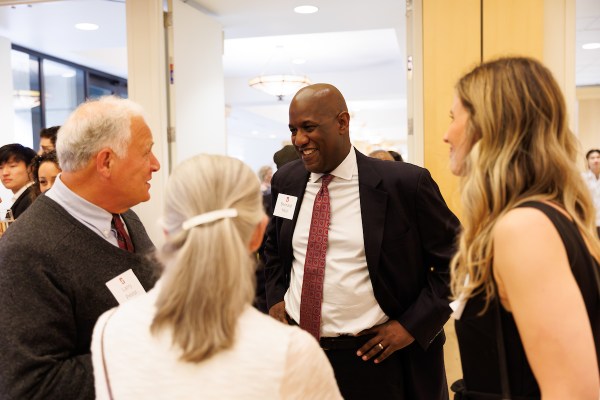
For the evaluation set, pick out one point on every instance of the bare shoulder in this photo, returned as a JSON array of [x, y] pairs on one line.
[[525, 223], [525, 241]]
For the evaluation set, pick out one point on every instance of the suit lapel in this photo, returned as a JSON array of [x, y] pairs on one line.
[[373, 208], [294, 185]]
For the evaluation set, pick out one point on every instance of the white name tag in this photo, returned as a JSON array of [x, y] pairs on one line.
[[125, 286], [285, 206]]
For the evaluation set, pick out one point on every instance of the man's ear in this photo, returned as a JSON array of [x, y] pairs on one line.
[[29, 170], [343, 119], [104, 161]]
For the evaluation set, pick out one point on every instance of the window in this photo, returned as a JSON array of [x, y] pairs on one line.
[[26, 98], [63, 91], [47, 89]]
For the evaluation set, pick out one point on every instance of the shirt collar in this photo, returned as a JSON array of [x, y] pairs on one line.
[[345, 170], [85, 212], [21, 191]]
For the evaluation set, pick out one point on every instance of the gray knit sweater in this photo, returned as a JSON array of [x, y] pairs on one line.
[[53, 272]]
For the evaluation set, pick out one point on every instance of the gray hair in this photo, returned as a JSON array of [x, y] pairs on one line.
[[209, 271], [95, 124]]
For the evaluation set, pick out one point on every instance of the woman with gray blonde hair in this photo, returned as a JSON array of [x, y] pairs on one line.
[[526, 274], [195, 334]]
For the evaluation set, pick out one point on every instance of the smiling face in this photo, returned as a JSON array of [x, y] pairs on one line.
[[132, 173], [15, 174], [320, 128], [456, 137]]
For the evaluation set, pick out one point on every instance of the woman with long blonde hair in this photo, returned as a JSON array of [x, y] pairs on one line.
[[526, 272], [196, 335]]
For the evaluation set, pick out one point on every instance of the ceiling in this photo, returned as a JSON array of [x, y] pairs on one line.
[[357, 45]]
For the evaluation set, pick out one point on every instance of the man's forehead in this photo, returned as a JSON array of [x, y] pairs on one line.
[[11, 160]]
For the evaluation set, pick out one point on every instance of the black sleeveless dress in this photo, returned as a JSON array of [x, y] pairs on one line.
[[477, 336]]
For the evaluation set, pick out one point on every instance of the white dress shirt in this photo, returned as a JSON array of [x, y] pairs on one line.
[[89, 214], [594, 185], [349, 305]]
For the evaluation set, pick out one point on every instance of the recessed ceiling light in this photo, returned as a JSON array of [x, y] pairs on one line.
[[86, 26], [306, 9], [299, 61], [68, 74], [273, 136], [591, 46]]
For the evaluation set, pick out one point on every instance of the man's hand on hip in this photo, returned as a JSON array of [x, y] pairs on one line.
[[389, 337]]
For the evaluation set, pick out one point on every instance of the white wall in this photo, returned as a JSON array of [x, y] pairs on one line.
[[199, 83], [7, 113], [147, 86]]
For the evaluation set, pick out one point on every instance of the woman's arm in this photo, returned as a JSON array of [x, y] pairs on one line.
[[536, 284]]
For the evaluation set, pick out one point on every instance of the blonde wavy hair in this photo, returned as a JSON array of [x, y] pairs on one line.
[[521, 150], [208, 277]]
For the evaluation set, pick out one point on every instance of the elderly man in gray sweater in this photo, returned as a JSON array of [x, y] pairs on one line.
[[77, 251]]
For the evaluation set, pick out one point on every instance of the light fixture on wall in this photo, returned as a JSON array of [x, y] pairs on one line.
[[282, 83]]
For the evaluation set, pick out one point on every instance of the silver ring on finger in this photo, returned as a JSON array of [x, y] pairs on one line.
[[380, 346]]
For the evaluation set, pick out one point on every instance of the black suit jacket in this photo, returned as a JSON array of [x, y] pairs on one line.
[[24, 201], [409, 236]]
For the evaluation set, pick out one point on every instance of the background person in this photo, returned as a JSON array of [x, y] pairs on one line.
[[377, 297], [382, 155], [45, 170], [195, 334], [265, 173], [592, 178], [397, 156], [15, 165], [529, 233], [78, 251], [48, 139]]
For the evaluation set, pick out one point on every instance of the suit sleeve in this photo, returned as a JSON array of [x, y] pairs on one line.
[[437, 227], [275, 276]]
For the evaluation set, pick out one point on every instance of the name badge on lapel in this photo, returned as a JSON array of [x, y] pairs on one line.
[[125, 286], [285, 206]]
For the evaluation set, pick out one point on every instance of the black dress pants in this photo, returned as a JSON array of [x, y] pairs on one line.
[[408, 374]]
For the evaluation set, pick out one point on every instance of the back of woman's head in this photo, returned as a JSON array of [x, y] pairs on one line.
[[521, 149], [208, 276]]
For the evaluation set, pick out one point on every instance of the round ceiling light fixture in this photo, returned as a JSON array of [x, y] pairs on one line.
[[591, 46], [306, 9], [87, 26]]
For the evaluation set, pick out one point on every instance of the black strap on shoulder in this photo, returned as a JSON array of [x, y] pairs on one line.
[[504, 383]]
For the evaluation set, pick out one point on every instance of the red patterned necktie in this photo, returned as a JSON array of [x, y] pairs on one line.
[[122, 237], [314, 264]]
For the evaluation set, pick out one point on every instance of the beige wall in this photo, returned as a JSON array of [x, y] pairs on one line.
[[456, 35], [451, 46]]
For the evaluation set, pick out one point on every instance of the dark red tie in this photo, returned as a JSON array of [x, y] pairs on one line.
[[122, 237], [314, 265]]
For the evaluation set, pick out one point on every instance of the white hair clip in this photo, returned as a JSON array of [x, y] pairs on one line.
[[209, 217]]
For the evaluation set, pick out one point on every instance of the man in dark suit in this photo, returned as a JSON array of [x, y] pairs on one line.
[[382, 293], [15, 166]]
